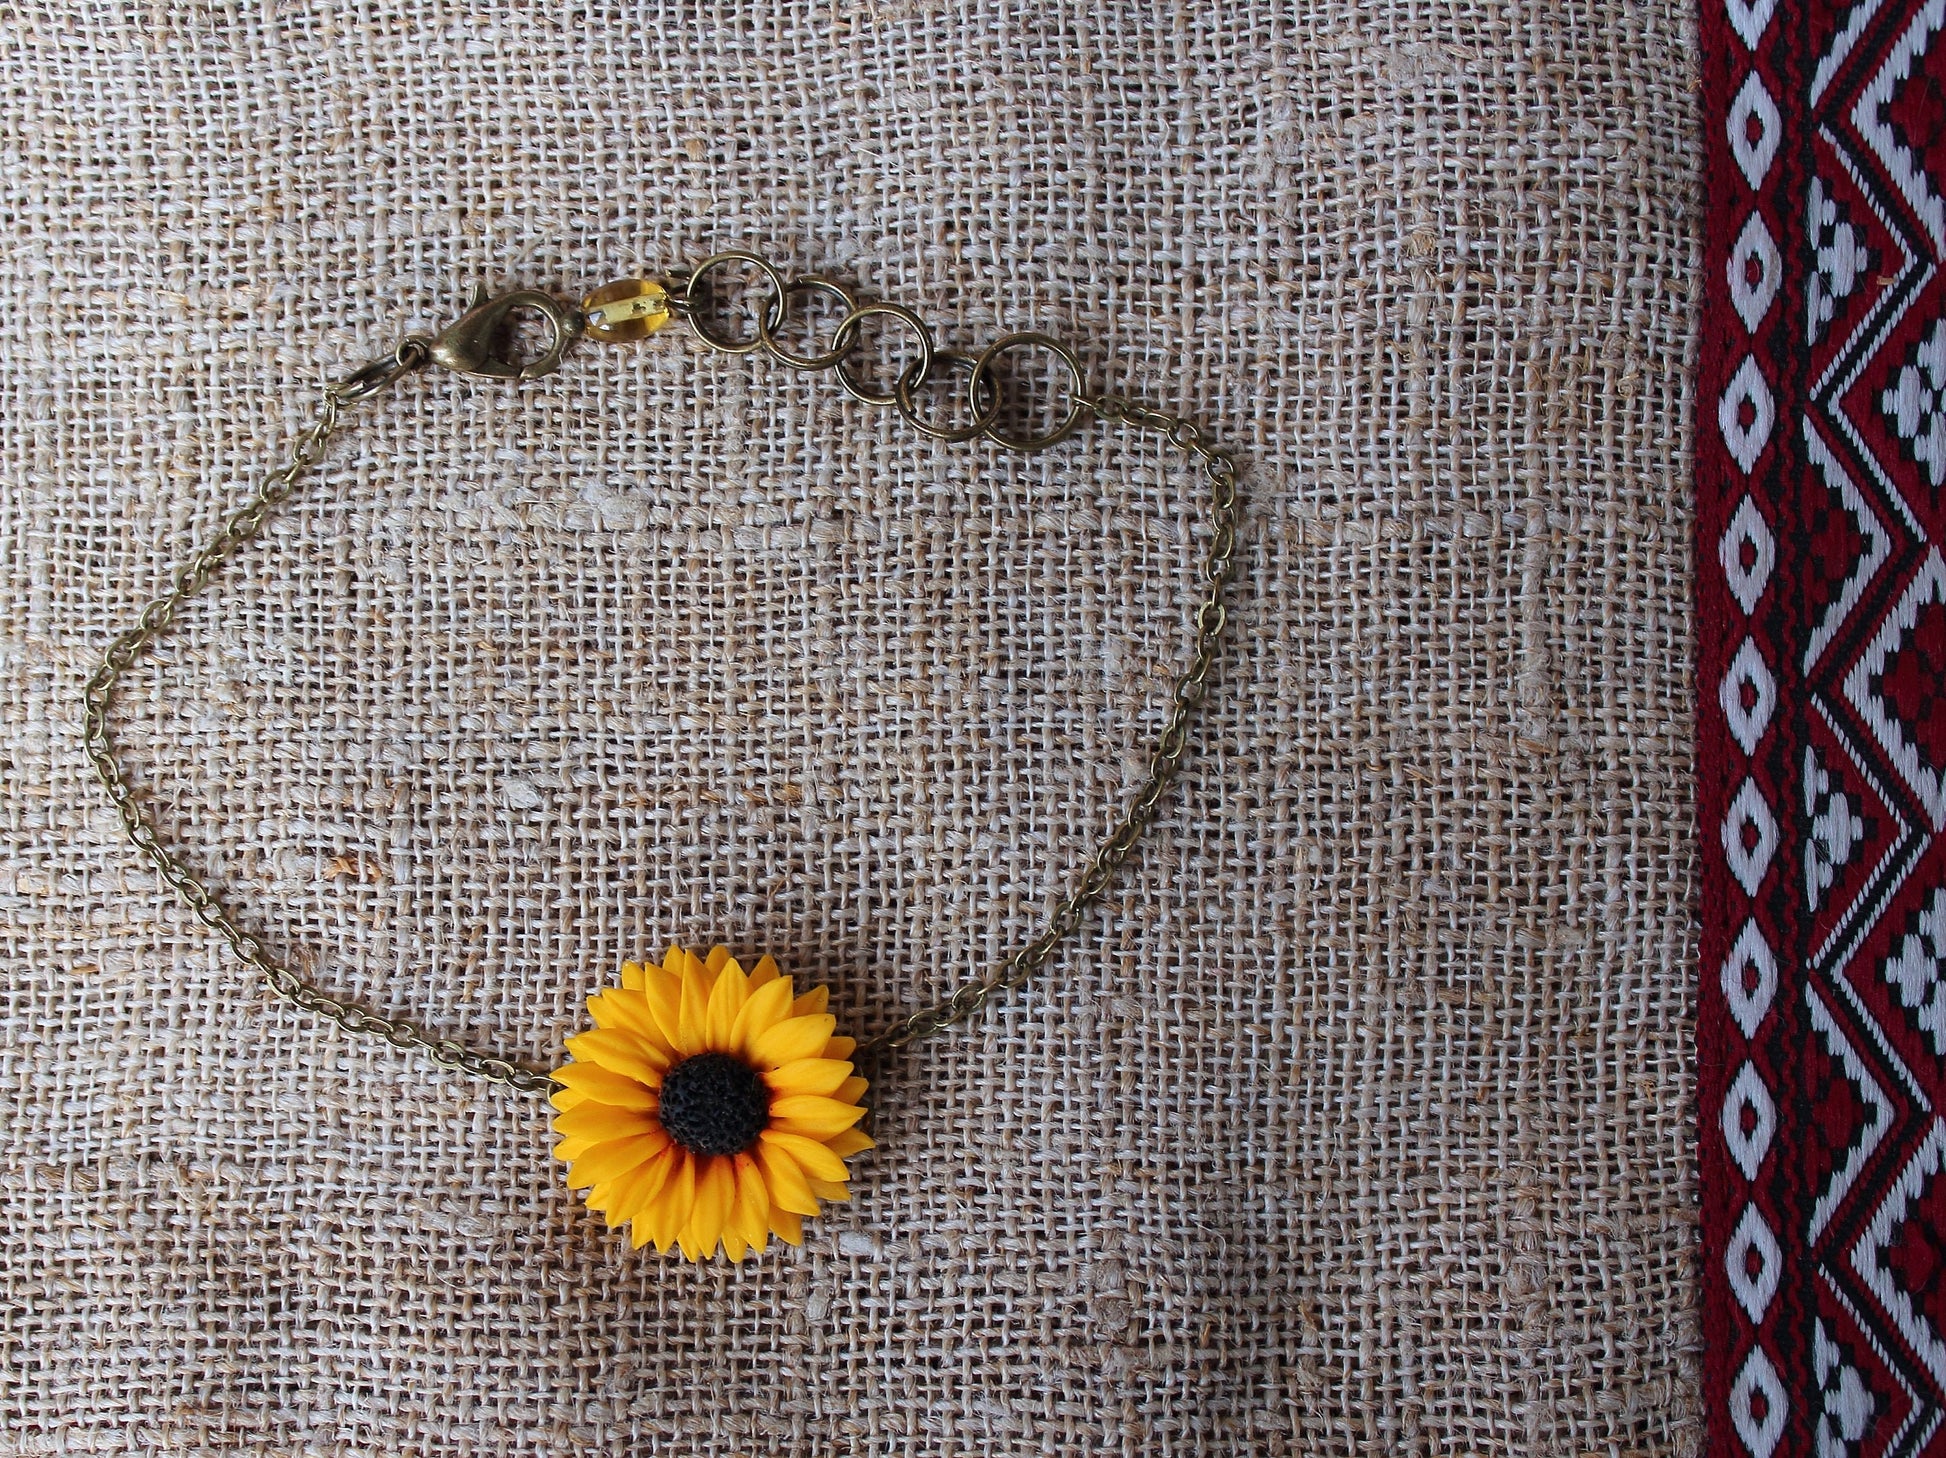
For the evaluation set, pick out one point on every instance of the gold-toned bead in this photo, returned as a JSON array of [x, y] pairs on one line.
[[628, 308]]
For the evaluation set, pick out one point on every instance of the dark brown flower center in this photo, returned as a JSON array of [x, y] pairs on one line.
[[714, 1104]]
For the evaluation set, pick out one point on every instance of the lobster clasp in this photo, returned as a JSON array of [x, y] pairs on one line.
[[475, 343]]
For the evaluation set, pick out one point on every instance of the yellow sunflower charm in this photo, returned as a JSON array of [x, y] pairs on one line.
[[708, 1106]]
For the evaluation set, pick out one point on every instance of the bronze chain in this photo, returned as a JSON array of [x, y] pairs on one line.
[[471, 346]]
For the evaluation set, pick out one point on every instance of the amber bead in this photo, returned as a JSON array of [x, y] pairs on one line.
[[628, 308]]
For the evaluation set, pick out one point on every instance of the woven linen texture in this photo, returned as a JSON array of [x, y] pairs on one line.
[[1355, 1121]]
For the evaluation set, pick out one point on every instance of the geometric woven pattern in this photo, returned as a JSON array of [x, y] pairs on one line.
[[1821, 512]]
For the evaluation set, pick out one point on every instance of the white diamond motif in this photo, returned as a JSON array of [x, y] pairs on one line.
[[1748, 1096], [1754, 128], [1746, 414], [1755, 267], [1749, 17], [1748, 535], [1749, 837], [1757, 1405], [1750, 978], [1747, 696], [1752, 1263]]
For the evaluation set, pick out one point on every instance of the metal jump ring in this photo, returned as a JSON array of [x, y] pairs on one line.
[[774, 304], [848, 327], [983, 367], [766, 323], [412, 351], [984, 418]]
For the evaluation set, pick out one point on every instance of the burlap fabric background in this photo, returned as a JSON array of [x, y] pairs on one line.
[[1355, 1122]]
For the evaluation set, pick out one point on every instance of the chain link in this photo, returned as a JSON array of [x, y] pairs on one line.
[[982, 394], [982, 399], [1165, 758], [99, 694], [1210, 617]]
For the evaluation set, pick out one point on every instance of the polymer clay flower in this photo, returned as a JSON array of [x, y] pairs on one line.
[[708, 1107]]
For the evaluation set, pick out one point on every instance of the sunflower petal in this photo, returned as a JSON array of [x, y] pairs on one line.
[[596, 1122], [788, 1225], [693, 1020], [675, 961], [564, 1099], [830, 1190], [599, 1196], [653, 1175], [840, 1048], [663, 992], [632, 976], [718, 955], [715, 1195], [725, 1002], [788, 1188], [569, 1150], [850, 1141], [764, 972], [808, 1114], [751, 1214], [669, 1211], [808, 1076], [618, 1196], [620, 1008], [610, 1087], [792, 1039], [660, 1171], [851, 1091], [612, 1157], [762, 1010], [813, 1158], [811, 1003], [619, 1052]]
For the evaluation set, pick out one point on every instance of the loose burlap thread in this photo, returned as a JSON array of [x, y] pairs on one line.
[[1354, 1121]]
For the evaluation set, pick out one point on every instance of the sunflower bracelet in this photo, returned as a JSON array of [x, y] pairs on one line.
[[709, 1106]]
